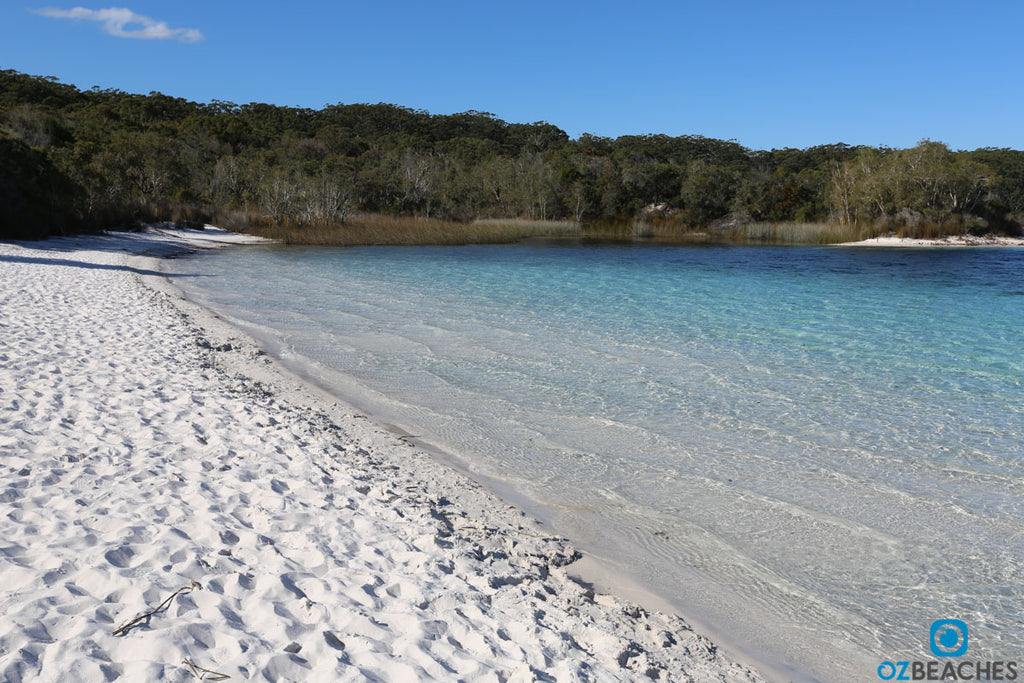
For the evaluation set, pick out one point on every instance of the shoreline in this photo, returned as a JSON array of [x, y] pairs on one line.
[[163, 447], [951, 241], [595, 568], [596, 574]]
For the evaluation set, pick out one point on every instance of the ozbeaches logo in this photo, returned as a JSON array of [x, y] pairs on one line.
[[947, 640]]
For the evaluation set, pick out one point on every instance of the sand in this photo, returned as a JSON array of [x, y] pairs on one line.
[[951, 241], [172, 503]]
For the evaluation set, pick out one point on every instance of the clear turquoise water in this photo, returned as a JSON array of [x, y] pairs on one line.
[[817, 451]]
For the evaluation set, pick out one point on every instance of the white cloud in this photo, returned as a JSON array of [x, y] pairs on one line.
[[124, 23]]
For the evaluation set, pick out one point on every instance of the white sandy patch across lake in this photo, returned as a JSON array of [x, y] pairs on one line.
[[143, 457], [950, 241]]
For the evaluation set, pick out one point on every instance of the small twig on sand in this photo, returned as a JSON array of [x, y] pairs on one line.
[[122, 629], [206, 674]]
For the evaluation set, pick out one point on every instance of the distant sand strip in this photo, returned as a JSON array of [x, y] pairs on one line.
[[162, 480], [951, 241]]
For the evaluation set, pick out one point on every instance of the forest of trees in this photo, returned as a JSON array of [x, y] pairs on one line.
[[74, 160]]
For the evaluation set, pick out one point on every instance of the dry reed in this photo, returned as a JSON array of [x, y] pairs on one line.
[[124, 628], [381, 229], [376, 229]]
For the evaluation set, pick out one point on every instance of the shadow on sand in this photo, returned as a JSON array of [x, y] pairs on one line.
[[137, 243], [86, 264]]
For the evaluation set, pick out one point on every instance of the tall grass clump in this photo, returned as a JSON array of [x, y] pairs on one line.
[[800, 233], [671, 230], [379, 229], [512, 229], [372, 229]]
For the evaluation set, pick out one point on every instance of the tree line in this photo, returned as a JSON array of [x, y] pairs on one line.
[[76, 160]]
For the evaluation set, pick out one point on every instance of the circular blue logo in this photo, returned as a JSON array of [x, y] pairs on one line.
[[948, 638]]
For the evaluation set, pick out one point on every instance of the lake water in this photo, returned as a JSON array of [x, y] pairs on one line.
[[816, 451]]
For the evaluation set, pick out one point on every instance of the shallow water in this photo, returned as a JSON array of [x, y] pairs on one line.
[[817, 451]]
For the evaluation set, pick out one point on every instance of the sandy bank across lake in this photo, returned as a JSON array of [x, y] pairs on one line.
[[951, 241], [171, 501]]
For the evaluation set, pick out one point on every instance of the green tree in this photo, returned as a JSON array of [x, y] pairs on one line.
[[29, 184]]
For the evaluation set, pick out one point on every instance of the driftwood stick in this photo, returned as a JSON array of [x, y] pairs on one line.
[[123, 628], [207, 674]]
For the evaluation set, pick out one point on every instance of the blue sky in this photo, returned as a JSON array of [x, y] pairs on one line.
[[767, 74]]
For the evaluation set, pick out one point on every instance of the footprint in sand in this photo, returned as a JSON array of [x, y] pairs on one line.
[[203, 635], [120, 557]]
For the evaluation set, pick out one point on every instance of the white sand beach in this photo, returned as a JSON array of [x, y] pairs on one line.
[[951, 241], [173, 504]]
